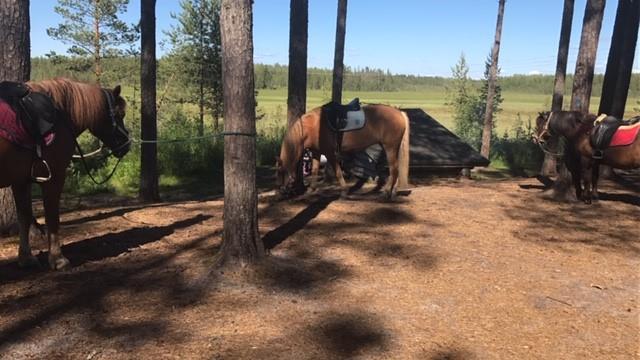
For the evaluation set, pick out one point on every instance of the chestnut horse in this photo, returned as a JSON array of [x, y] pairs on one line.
[[576, 128], [78, 107], [385, 125]]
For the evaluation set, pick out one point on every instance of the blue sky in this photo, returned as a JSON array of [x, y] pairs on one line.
[[423, 37]]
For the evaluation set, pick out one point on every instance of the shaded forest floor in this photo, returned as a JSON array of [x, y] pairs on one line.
[[458, 269]]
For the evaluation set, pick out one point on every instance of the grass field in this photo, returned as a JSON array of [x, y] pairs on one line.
[[273, 104]]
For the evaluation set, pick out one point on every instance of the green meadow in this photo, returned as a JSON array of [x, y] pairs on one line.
[[273, 104]]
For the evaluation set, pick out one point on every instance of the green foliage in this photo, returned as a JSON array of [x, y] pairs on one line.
[[469, 103], [516, 150], [195, 61], [93, 31]]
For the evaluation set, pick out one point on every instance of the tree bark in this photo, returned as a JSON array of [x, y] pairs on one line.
[[491, 91], [297, 89], [617, 78], [583, 75], [298, 30], [201, 90], [582, 84], [149, 191], [97, 57], [15, 65], [338, 60], [241, 243], [550, 162]]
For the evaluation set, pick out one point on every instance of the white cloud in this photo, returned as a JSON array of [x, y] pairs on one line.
[[534, 72]]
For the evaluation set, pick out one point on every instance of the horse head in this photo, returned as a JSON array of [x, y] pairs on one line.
[[542, 132], [285, 178], [111, 129]]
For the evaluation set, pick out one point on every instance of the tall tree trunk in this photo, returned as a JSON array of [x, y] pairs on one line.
[[582, 84], [583, 75], [338, 60], [550, 162], [617, 77], [298, 30], [620, 62], [97, 57], [15, 65], [201, 60], [297, 89], [149, 154], [491, 91], [241, 243]]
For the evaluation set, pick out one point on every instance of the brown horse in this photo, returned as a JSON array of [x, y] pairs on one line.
[[576, 128], [385, 125], [79, 107]]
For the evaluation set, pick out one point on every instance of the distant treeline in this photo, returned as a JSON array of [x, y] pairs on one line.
[[125, 70]]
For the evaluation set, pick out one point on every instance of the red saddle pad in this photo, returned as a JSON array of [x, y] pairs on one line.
[[625, 135], [10, 128]]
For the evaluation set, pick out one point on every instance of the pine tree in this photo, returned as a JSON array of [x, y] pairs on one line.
[[196, 56], [241, 242], [469, 105], [15, 66], [93, 29]]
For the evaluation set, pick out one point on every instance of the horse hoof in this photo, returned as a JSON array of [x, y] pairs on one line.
[[28, 262], [60, 263]]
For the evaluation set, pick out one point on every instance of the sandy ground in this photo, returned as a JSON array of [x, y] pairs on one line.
[[456, 270]]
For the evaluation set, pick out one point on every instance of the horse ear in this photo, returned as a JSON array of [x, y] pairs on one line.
[[116, 91]]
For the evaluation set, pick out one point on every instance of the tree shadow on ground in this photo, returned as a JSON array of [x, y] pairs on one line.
[[560, 224], [100, 247], [275, 237], [620, 197], [93, 300], [449, 354], [346, 335]]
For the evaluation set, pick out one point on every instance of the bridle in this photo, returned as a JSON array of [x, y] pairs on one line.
[[538, 138], [115, 128]]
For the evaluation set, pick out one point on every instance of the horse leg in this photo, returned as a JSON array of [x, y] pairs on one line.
[[392, 160], [333, 160], [587, 165], [315, 167], [51, 198], [595, 175], [22, 198]]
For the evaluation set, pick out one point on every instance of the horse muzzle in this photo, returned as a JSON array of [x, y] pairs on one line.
[[121, 149]]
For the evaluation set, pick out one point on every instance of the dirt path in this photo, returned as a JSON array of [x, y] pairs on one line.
[[456, 270]]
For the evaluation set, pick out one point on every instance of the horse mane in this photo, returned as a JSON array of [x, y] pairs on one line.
[[583, 122], [83, 103], [291, 142]]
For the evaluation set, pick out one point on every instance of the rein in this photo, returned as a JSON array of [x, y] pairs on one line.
[[86, 167], [82, 156]]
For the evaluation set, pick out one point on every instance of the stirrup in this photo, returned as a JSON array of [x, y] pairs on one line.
[[41, 179]]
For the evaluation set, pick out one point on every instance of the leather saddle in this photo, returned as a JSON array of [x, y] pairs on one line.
[[605, 129], [36, 110], [341, 118]]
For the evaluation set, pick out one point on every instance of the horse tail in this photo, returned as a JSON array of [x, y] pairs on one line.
[[403, 155]]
